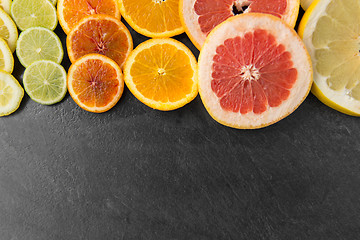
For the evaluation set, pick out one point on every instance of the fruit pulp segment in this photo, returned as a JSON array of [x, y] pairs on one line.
[[337, 41], [74, 11], [95, 83], [213, 12], [6, 92], [252, 73], [103, 37], [162, 73], [154, 15]]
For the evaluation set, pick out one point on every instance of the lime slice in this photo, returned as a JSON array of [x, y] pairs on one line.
[[11, 94], [38, 43], [6, 57], [5, 4], [8, 30], [45, 82], [30, 13]]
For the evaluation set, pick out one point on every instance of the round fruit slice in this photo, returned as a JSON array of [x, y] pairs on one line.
[[45, 82], [162, 74], [11, 94], [38, 43], [331, 32], [8, 30], [153, 18], [253, 71], [6, 57], [305, 4], [30, 13], [70, 12], [5, 4], [100, 34], [95, 82], [199, 17]]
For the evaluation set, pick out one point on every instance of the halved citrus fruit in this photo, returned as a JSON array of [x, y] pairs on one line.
[[95, 83], [331, 32], [162, 74], [153, 18], [254, 70], [100, 34], [199, 17], [70, 12]]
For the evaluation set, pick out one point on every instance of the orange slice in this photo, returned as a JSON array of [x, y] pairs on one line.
[[153, 18], [95, 83], [161, 73], [70, 12], [100, 34], [199, 17], [253, 71]]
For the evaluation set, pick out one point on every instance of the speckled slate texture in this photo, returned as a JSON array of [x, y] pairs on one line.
[[134, 173]]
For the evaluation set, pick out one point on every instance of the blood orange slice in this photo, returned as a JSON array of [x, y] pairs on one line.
[[199, 17], [253, 71], [95, 83], [70, 12], [100, 34]]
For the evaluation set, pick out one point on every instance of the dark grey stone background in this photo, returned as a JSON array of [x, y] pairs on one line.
[[136, 173]]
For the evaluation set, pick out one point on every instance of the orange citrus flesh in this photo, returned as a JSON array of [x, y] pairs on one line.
[[70, 12], [162, 74], [153, 18], [100, 34], [95, 82]]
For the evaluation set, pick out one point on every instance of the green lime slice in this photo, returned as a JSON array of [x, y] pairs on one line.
[[38, 43], [30, 13], [8, 30], [11, 94], [45, 82]]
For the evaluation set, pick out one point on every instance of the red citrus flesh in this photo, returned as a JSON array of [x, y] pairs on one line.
[[213, 12], [252, 73]]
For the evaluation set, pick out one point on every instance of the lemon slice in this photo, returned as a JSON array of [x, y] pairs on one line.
[[5, 4], [45, 82], [38, 43], [8, 30], [331, 32], [30, 13], [6, 57], [11, 94], [53, 2]]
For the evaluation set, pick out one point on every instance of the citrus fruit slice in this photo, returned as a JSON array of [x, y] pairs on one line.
[[30, 13], [153, 18], [95, 83], [5, 4], [45, 82], [199, 17], [6, 57], [162, 74], [70, 12], [100, 34], [11, 94], [331, 32], [8, 30], [254, 70], [305, 4], [38, 43]]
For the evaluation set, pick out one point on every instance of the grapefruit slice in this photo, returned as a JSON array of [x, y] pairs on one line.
[[199, 17], [100, 34], [70, 12], [95, 83], [253, 71]]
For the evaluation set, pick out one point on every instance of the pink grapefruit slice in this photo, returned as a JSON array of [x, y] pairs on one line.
[[199, 17], [254, 70]]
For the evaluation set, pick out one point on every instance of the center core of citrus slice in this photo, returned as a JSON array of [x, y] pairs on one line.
[[252, 73]]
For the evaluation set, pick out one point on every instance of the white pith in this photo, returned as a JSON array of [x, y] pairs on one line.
[[238, 26]]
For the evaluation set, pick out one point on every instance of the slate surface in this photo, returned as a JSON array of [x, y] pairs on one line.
[[136, 173]]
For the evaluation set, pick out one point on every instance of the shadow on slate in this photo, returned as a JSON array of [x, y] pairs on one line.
[[134, 173]]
